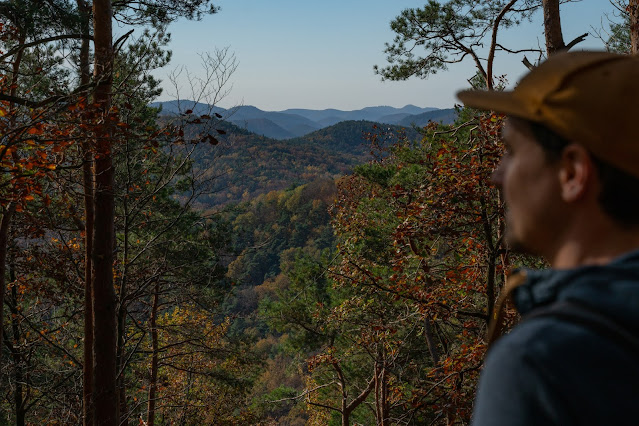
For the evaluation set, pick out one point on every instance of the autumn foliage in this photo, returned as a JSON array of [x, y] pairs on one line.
[[241, 280], [419, 234]]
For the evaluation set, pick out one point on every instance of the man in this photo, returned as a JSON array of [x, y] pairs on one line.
[[570, 182]]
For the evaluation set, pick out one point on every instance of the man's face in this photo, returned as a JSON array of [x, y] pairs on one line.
[[530, 188]]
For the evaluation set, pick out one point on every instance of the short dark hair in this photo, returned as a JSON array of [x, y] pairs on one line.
[[619, 196]]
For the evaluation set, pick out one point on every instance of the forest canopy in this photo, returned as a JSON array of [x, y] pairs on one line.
[[184, 271]]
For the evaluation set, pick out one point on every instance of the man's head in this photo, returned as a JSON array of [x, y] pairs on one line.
[[619, 190], [588, 98], [572, 151]]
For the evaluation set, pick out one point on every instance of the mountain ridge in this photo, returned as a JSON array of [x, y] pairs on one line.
[[298, 122]]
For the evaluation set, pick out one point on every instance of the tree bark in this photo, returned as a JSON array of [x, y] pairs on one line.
[[87, 176], [552, 27], [430, 341], [8, 210], [18, 376], [633, 9], [381, 394], [105, 395], [493, 45], [154, 357], [120, 358], [7, 214]]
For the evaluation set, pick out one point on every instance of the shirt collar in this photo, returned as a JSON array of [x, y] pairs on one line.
[[543, 286]]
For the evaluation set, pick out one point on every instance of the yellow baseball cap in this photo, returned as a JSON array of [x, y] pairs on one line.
[[590, 98]]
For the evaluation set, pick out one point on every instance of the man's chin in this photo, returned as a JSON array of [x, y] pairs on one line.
[[516, 245]]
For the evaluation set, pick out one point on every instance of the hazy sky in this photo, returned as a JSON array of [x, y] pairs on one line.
[[303, 54]]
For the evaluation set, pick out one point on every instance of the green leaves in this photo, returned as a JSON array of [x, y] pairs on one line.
[[446, 33]]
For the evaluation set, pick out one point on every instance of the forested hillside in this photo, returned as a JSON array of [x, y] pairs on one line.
[[163, 270], [243, 165]]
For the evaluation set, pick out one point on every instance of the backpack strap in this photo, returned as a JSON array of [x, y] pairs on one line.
[[591, 319]]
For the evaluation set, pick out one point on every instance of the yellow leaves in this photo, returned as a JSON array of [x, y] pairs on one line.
[[3, 112]]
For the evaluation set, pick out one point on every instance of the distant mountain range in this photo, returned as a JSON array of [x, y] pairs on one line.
[[293, 123]]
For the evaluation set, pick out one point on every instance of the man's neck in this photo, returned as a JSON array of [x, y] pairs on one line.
[[594, 246]]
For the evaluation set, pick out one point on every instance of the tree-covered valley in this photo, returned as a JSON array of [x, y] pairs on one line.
[[160, 269]]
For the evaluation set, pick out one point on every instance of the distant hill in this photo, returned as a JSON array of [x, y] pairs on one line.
[[292, 123], [394, 118], [443, 116], [264, 127], [349, 136], [244, 165]]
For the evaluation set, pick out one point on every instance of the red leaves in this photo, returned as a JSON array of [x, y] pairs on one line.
[[425, 236]]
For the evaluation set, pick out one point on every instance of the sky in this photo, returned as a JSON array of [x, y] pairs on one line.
[[319, 55]]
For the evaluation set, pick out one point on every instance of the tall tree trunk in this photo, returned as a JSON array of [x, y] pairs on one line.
[[7, 214], [346, 407], [105, 395], [381, 393], [430, 341], [9, 209], [552, 27], [18, 376], [87, 177], [378, 394], [346, 415], [122, 311], [633, 9], [154, 357], [384, 421]]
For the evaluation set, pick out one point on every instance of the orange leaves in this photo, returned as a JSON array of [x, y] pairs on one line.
[[421, 226]]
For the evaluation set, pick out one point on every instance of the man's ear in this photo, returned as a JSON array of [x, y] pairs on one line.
[[576, 174]]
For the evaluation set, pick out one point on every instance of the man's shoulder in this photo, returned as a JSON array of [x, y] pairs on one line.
[[543, 335], [567, 325], [538, 372], [520, 381]]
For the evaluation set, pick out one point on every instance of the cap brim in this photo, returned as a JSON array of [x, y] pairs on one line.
[[497, 101]]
